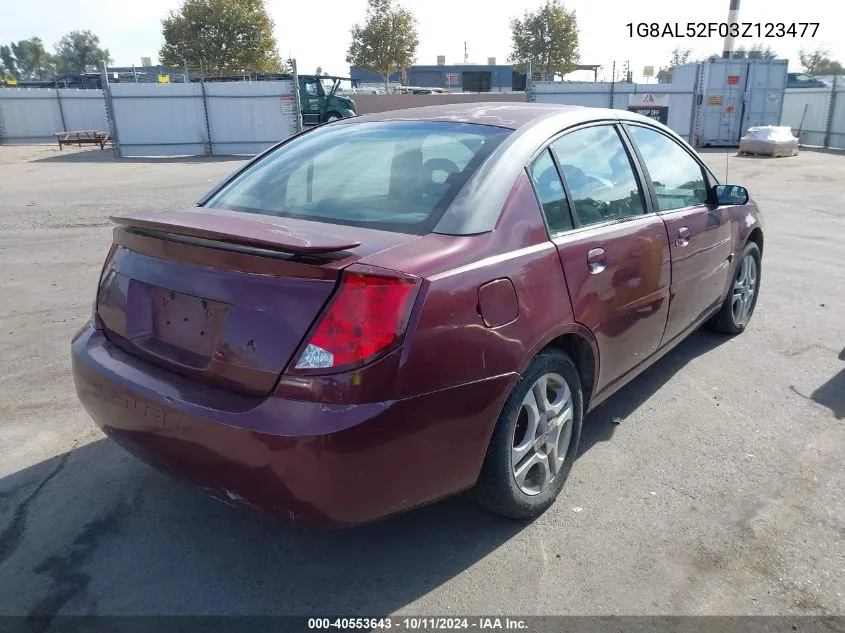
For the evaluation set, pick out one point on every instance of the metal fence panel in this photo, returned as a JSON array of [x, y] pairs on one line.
[[583, 94], [32, 115], [159, 119], [28, 115], [619, 96], [806, 109], [83, 109], [248, 117], [836, 121]]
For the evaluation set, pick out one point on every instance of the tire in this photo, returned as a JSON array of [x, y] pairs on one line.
[[497, 488], [332, 116], [738, 307]]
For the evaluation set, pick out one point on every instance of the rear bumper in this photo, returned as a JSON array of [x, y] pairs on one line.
[[307, 462]]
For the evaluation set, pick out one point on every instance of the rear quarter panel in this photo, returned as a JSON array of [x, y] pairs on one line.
[[448, 342]]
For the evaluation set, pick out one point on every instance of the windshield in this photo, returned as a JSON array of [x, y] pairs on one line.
[[388, 175], [327, 85]]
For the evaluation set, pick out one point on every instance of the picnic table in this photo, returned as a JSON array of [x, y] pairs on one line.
[[88, 137]]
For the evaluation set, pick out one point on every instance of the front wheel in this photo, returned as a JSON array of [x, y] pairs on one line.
[[332, 116], [535, 440], [739, 305]]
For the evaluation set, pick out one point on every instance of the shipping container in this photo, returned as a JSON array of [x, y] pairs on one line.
[[734, 95]]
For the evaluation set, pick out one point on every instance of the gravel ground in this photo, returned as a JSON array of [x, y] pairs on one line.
[[721, 492]]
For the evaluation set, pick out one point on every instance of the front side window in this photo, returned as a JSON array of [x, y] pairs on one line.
[[677, 177], [388, 175], [599, 174]]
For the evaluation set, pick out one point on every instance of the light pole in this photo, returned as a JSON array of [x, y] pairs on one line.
[[733, 14]]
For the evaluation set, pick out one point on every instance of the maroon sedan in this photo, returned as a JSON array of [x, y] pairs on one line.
[[394, 308]]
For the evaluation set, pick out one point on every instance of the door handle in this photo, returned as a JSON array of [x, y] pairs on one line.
[[596, 260], [683, 236]]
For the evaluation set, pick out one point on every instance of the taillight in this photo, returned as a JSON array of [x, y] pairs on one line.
[[367, 318], [103, 269]]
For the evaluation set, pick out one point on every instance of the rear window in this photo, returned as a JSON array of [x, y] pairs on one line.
[[390, 175]]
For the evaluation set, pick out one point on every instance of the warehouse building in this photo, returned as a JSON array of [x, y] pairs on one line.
[[490, 77]]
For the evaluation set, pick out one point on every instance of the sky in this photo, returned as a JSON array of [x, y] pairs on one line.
[[132, 29]]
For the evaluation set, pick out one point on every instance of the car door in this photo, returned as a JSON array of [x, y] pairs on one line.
[[614, 251], [309, 98], [699, 232]]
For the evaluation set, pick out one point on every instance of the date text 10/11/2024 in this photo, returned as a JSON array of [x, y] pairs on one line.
[[722, 29]]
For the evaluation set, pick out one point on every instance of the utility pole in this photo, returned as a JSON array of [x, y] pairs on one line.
[[733, 14], [466, 54]]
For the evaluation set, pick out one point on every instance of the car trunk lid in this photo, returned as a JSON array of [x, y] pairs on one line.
[[221, 296]]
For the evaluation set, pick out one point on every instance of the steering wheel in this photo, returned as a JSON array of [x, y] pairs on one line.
[[441, 164], [579, 180], [548, 179]]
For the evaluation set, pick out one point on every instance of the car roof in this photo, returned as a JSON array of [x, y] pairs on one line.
[[512, 115], [507, 114]]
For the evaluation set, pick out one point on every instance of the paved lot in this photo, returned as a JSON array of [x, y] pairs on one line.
[[721, 492]]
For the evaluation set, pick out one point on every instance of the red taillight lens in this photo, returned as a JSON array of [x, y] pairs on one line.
[[368, 316], [103, 270]]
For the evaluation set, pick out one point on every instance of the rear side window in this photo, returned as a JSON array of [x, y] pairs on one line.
[[389, 175], [550, 191], [599, 174], [677, 177]]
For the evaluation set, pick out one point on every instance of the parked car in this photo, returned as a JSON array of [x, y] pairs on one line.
[[803, 80], [394, 308]]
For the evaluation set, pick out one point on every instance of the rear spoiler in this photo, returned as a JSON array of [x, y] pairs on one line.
[[237, 228]]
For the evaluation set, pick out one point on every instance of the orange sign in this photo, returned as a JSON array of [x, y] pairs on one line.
[[733, 80]]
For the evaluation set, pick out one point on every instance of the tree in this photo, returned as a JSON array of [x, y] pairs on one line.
[[548, 38], [758, 51], [79, 49], [27, 59], [680, 56], [222, 37], [8, 64], [386, 42], [819, 62]]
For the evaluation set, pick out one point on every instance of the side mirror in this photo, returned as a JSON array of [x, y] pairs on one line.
[[730, 194]]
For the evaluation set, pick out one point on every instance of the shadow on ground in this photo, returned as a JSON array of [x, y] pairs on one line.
[[832, 393], [75, 155], [599, 425], [94, 531]]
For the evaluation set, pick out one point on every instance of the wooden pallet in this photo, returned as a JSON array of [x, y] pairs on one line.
[[772, 154], [759, 155]]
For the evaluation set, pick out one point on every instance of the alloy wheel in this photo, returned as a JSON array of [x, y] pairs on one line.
[[744, 288], [542, 434]]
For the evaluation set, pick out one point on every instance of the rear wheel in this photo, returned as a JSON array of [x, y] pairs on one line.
[[739, 305], [535, 440]]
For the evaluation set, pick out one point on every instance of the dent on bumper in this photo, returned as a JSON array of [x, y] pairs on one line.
[[305, 461]]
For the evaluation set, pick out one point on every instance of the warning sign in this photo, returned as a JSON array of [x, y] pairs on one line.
[[649, 99], [654, 106], [714, 100], [733, 80]]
